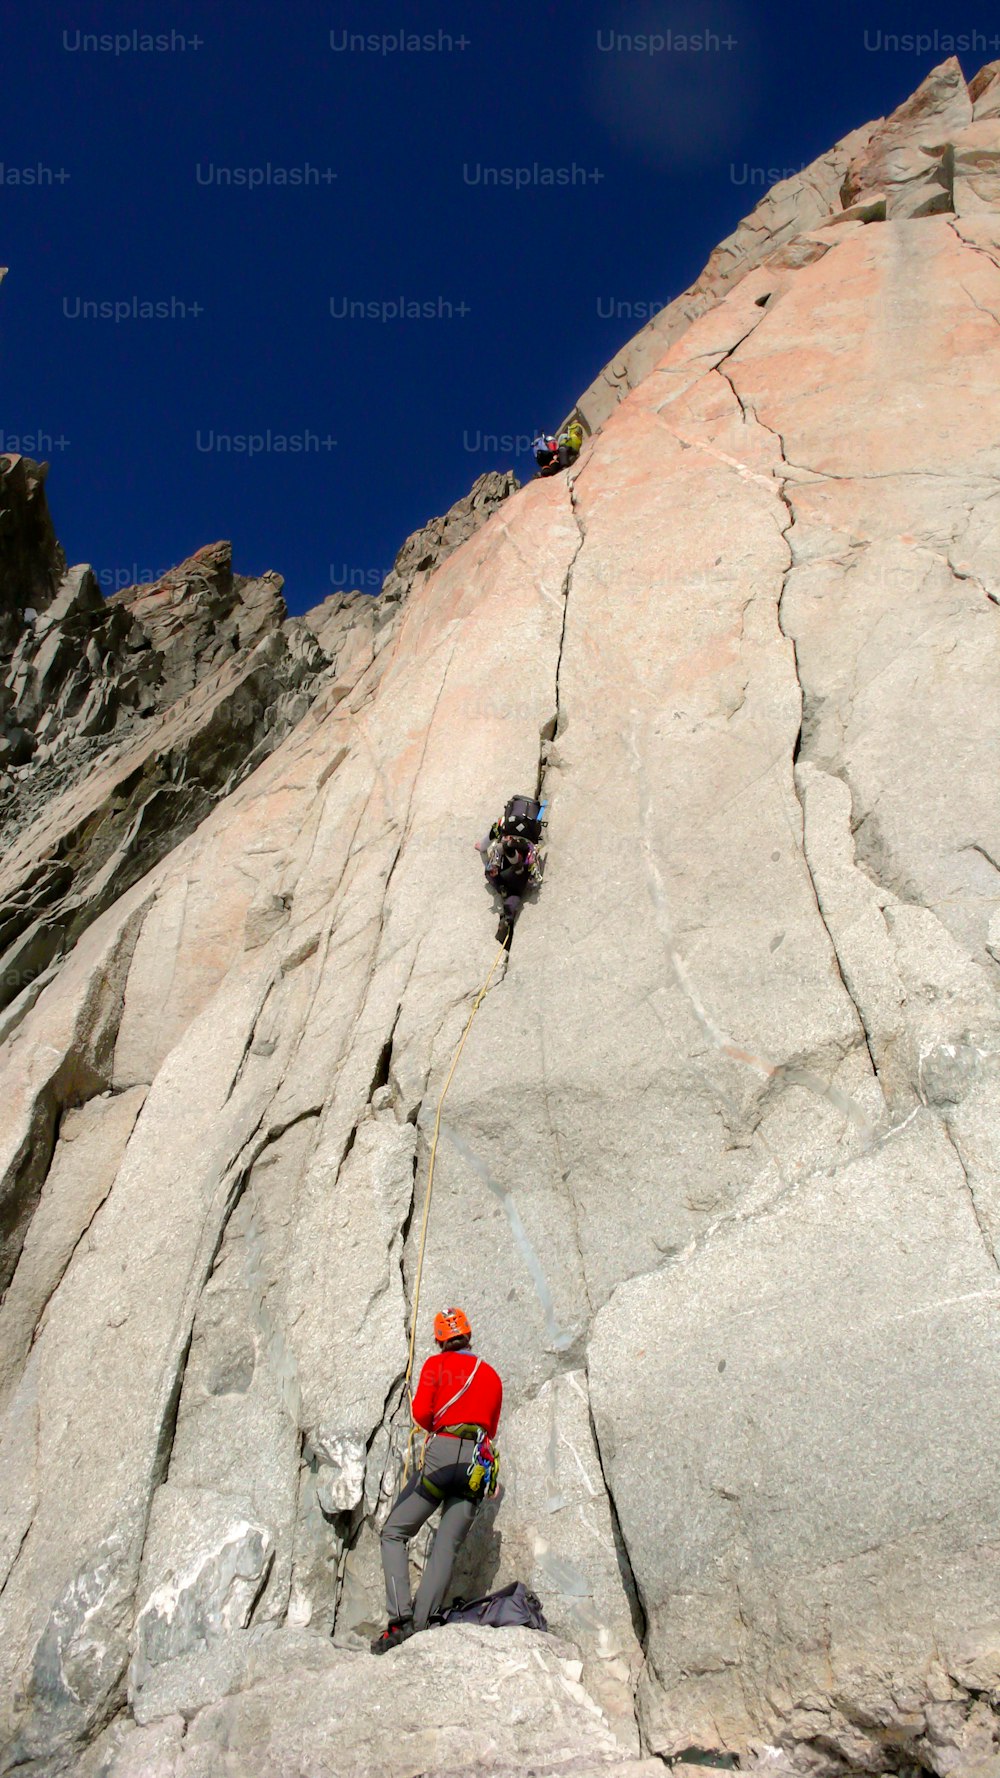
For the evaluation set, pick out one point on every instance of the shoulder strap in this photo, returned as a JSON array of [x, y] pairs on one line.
[[438, 1412]]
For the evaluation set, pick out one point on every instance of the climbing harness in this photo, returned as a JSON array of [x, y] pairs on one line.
[[481, 1475], [476, 1004]]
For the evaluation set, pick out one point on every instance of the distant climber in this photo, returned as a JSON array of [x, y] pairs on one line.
[[570, 443], [511, 859], [458, 1403], [555, 453], [546, 449]]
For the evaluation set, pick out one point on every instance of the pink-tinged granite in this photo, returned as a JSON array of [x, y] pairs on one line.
[[976, 175], [984, 91], [917, 162], [776, 226], [809, 1508], [907, 156]]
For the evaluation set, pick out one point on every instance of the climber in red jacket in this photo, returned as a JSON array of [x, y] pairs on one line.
[[458, 1403]]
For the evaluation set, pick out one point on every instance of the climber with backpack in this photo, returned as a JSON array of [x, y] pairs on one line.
[[458, 1403], [511, 858], [555, 453], [546, 452], [569, 444]]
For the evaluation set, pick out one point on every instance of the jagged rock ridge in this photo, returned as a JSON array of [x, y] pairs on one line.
[[717, 1177], [425, 549]]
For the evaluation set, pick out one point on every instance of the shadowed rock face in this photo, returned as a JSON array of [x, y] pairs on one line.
[[31, 562], [717, 1177], [126, 719], [78, 668]]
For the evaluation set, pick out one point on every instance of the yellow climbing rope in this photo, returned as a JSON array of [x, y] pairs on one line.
[[476, 1004]]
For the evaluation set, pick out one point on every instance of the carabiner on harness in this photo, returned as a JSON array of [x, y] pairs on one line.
[[484, 1469]]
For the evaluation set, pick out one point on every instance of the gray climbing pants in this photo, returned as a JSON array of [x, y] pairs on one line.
[[445, 1462]]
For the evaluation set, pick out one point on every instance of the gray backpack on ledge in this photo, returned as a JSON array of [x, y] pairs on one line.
[[511, 1605]]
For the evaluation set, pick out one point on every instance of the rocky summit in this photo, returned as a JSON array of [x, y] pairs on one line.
[[716, 1177]]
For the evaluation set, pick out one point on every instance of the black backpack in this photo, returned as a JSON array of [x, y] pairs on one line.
[[511, 1605], [523, 818]]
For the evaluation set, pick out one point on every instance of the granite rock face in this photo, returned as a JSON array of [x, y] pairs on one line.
[[514, 1704], [905, 167], [936, 154], [716, 1178], [425, 549]]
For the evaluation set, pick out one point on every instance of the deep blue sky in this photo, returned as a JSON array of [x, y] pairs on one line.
[[134, 408]]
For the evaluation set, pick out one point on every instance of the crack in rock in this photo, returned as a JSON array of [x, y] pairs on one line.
[[981, 1224]]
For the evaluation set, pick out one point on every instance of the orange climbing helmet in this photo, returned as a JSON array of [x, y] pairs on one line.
[[451, 1324]]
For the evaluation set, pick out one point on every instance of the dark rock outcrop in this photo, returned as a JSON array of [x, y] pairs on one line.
[[200, 614], [31, 561], [78, 671], [425, 549]]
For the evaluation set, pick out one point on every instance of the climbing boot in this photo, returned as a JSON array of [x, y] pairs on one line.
[[392, 1636]]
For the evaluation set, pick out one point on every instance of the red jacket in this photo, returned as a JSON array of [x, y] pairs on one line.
[[442, 1377]]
